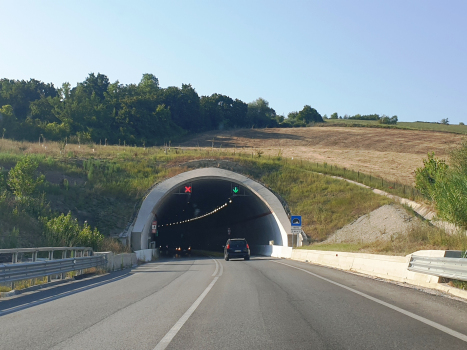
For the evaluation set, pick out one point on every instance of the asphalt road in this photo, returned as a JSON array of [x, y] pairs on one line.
[[203, 303]]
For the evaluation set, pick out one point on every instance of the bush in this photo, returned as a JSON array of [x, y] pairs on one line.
[[65, 231], [21, 178], [446, 186]]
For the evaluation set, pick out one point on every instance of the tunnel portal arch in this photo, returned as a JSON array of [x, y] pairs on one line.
[[276, 222]]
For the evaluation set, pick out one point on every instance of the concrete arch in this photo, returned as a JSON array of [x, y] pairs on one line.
[[278, 222]]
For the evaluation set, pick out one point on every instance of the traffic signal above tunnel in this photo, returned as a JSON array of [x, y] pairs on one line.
[[185, 189], [236, 190]]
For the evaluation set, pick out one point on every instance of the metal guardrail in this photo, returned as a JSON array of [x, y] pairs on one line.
[[75, 251], [24, 271], [453, 268]]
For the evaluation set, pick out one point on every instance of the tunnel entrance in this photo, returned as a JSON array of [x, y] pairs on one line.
[[201, 213], [198, 208]]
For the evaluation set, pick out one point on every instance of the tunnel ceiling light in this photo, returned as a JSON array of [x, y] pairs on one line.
[[199, 217]]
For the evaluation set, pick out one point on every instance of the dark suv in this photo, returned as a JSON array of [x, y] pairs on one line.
[[236, 248]]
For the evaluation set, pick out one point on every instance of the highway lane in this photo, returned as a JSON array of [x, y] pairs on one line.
[[202, 303]]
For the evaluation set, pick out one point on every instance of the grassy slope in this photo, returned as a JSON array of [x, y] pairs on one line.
[[102, 187], [458, 129]]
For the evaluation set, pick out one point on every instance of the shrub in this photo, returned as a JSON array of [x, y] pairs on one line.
[[21, 178], [446, 186], [64, 230]]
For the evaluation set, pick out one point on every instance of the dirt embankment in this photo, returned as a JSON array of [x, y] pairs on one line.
[[393, 154], [381, 225]]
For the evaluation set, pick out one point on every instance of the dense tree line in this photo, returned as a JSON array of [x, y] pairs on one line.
[[383, 119], [100, 111]]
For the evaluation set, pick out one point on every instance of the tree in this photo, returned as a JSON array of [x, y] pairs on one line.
[[149, 85], [95, 84], [309, 115], [445, 121], [22, 179], [184, 105], [260, 114], [386, 120], [334, 116]]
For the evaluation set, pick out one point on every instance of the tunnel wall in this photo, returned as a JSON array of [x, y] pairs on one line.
[[278, 223]]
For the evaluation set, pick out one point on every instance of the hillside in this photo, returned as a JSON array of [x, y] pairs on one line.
[[392, 154]]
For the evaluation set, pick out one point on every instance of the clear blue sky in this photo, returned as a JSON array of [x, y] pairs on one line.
[[404, 58]]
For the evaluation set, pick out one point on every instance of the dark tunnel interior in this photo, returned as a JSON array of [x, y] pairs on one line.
[[202, 212]]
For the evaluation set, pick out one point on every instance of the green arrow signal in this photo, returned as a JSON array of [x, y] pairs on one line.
[[235, 189]]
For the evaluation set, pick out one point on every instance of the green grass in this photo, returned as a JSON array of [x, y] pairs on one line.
[[458, 129], [335, 247], [459, 284], [421, 237], [4, 289], [105, 186], [325, 204]]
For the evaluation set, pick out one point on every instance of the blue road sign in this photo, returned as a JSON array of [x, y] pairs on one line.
[[296, 220]]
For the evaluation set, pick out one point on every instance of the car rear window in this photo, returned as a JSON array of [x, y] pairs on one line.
[[237, 244]]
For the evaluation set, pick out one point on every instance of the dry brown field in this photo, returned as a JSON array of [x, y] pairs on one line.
[[392, 154]]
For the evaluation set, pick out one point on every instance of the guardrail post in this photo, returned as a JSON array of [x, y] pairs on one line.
[[80, 254], [51, 257], [14, 258], [63, 257]]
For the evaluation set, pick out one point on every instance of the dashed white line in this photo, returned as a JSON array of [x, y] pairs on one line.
[[174, 330]]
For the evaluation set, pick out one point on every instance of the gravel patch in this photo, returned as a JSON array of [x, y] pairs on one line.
[[380, 225]]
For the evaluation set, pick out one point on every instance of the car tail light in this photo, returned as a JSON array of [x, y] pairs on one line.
[[247, 246], [228, 246]]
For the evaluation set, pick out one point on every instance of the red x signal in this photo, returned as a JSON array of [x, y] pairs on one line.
[[187, 189]]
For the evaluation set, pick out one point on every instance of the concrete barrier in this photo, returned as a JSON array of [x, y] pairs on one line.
[[392, 268], [119, 261], [276, 251], [147, 254]]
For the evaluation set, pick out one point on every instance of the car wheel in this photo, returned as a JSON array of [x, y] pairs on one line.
[[247, 258]]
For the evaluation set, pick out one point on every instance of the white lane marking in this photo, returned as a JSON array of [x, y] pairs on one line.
[[222, 269], [177, 326], [217, 267], [393, 307]]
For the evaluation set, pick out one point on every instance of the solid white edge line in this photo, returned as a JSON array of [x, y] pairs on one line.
[[393, 307], [222, 269], [177, 326], [217, 267]]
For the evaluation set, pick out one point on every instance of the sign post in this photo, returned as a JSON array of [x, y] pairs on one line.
[[296, 225]]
